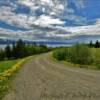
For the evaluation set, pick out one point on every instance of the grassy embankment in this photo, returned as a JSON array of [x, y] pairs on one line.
[[7, 70], [78, 56]]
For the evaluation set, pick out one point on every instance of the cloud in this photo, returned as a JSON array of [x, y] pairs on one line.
[[40, 10], [29, 3], [47, 20], [59, 33], [10, 34], [97, 21], [48, 2], [20, 20], [27, 20], [85, 30], [44, 21]]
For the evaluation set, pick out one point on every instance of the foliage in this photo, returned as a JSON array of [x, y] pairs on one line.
[[60, 54], [91, 44], [96, 57], [2, 55], [80, 54], [21, 50], [8, 51], [95, 45], [4, 86]]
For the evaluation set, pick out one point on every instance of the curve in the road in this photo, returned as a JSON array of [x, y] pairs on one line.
[[44, 79]]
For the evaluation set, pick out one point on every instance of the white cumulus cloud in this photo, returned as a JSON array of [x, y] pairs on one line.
[[44, 20]]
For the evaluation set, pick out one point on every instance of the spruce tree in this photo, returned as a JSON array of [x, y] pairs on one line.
[[97, 44], [8, 53], [91, 44], [14, 51], [20, 49], [2, 55]]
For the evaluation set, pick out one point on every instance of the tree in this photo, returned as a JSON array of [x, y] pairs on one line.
[[8, 53], [20, 49], [2, 55], [14, 51], [91, 44], [97, 44]]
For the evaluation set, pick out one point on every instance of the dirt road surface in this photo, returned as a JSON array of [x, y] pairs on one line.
[[44, 79]]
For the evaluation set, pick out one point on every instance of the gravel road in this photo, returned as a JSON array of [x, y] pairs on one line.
[[44, 79]]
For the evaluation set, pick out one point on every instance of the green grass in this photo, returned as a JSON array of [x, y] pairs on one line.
[[4, 65], [5, 83]]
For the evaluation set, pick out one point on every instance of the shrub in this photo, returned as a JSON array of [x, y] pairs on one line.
[[96, 55], [81, 54], [60, 54]]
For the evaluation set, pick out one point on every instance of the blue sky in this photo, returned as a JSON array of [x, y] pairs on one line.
[[49, 19]]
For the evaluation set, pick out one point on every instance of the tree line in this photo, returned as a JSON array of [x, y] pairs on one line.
[[95, 45], [20, 49]]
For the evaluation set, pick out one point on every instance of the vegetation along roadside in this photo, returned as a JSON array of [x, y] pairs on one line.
[[6, 75], [80, 55]]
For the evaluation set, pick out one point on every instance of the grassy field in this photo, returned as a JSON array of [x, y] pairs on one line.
[[4, 65]]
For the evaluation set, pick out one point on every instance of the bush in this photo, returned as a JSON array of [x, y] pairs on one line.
[[81, 54], [96, 55], [60, 54]]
